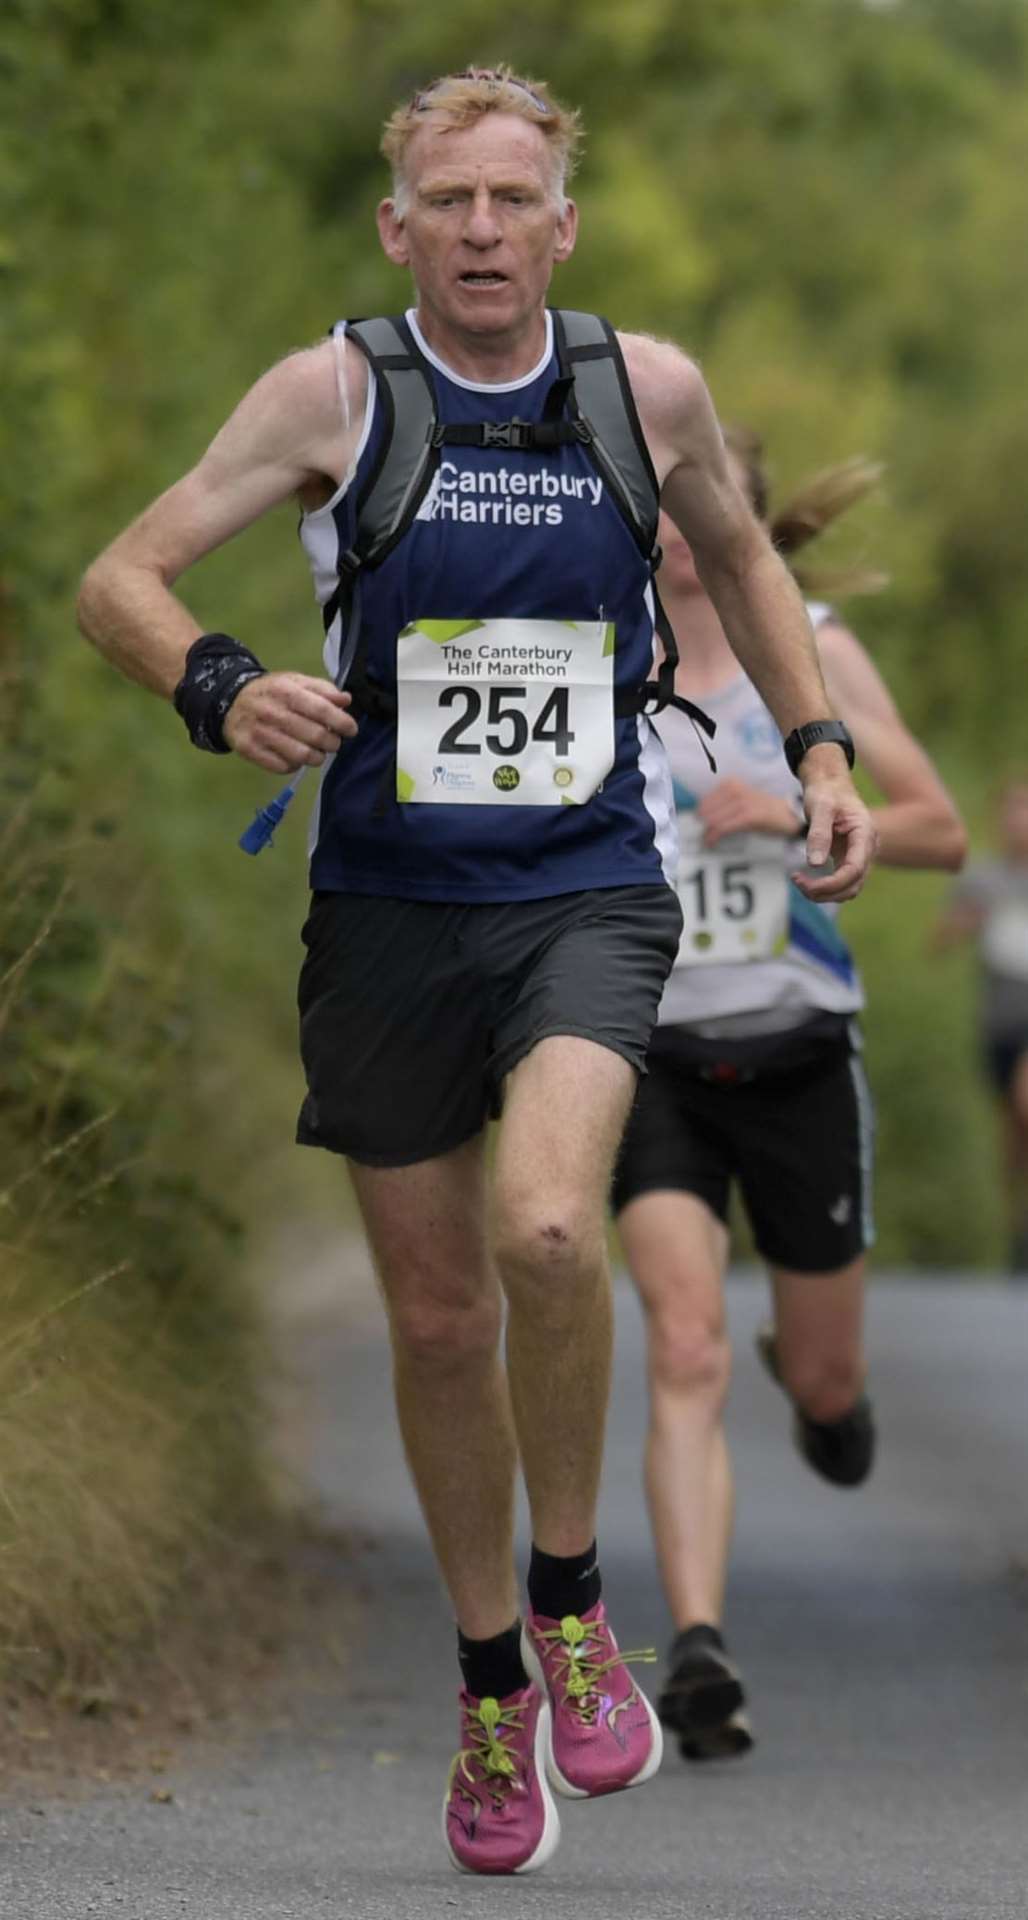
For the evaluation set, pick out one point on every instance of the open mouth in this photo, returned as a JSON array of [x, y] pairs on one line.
[[485, 278]]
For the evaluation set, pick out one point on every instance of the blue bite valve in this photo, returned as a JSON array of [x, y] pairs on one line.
[[262, 827]]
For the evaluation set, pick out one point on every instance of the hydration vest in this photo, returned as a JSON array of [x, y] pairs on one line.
[[590, 403]]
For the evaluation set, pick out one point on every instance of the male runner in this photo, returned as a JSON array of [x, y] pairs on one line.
[[470, 939]]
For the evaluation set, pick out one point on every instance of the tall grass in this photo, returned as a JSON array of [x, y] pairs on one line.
[[128, 1424]]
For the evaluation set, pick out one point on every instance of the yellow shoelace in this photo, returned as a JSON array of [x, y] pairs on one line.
[[579, 1673], [494, 1757]]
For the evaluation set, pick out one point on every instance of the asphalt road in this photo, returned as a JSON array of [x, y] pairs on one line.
[[884, 1634]]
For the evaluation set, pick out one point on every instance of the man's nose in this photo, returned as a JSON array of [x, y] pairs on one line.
[[482, 229]]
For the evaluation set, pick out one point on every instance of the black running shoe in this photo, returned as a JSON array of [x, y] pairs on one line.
[[841, 1451], [703, 1700]]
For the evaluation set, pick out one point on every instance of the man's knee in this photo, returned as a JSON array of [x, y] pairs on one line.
[[546, 1243], [445, 1329]]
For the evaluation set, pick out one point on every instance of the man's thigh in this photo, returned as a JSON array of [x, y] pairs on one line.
[[426, 1226], [564, 1113], [572, 1038]]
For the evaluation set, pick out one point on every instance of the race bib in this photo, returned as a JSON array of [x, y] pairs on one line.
[[504, 712], [1005, 939], [735, 896]]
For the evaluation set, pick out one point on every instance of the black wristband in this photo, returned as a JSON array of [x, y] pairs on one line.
[[217, 669]]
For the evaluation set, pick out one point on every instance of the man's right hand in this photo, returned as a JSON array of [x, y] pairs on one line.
[[283, 721]]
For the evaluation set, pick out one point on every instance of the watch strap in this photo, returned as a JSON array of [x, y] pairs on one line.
[[818, 733]]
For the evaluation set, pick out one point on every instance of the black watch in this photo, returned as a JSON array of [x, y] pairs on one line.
[[818, 733]]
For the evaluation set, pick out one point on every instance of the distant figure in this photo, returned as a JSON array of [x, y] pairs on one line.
[[990, 903]]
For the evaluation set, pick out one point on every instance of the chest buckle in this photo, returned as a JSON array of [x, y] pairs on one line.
[[518, 434]]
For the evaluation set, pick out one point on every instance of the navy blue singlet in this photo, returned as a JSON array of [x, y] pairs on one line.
[[501, 535]]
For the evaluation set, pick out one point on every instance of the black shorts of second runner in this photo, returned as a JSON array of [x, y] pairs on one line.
[[797, 1136], [412, 1012]]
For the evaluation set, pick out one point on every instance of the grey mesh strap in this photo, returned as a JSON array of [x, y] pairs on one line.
[[603, 396], [401, 475]]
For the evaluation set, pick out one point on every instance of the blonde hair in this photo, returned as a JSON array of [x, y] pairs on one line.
[[463, 98], [819, 501]]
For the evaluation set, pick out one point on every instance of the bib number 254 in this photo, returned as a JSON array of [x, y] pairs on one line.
[[508, 723]]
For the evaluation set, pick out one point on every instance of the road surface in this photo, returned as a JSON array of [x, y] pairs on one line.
[[883, 1632]]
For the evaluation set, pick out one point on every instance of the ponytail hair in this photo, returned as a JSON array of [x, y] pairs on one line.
[[805, 516]]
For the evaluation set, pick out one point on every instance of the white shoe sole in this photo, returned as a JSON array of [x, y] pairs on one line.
[[550, 1837], [534, 1669]]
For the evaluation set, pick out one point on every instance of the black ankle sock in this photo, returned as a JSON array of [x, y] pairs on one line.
[[558, 1586], [692, 1639], [492, 1667]]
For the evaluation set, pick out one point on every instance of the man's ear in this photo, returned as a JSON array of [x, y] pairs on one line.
[[393, 234], [567, 233]]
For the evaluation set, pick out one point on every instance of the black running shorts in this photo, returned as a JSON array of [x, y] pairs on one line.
[[412, 1011], [792, 1123]]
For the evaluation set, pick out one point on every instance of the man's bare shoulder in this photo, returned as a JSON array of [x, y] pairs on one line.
[[301, 421], [666, 383], [318, 389], [675, 409]]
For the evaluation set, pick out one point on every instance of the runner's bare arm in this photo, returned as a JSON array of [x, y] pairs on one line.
[[287, 437], [756, 598], [919, 826]]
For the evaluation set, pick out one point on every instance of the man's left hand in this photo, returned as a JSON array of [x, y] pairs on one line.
[[840, 829]]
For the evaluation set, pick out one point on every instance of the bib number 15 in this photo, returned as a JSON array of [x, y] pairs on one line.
[[508, 724], [718, 890], [734, 897]]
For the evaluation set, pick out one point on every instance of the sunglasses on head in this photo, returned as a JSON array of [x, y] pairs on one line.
[[423, 102]]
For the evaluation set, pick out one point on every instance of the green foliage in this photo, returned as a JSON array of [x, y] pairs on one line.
[[825, 201]]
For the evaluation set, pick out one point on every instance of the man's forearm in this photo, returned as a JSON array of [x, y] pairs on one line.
[[765, 620], [134, 620]]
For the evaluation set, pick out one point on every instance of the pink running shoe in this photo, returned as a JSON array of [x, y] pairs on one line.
[[605, 1735], [499, 1815]]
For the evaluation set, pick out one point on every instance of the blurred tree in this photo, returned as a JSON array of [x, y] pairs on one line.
[[824, 200]]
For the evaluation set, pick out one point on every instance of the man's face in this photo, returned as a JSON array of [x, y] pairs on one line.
[[481, 231]]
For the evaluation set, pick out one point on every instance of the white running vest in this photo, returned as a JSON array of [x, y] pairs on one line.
[[755, 954]]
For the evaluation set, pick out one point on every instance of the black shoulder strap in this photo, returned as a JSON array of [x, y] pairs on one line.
[[398, 481]]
